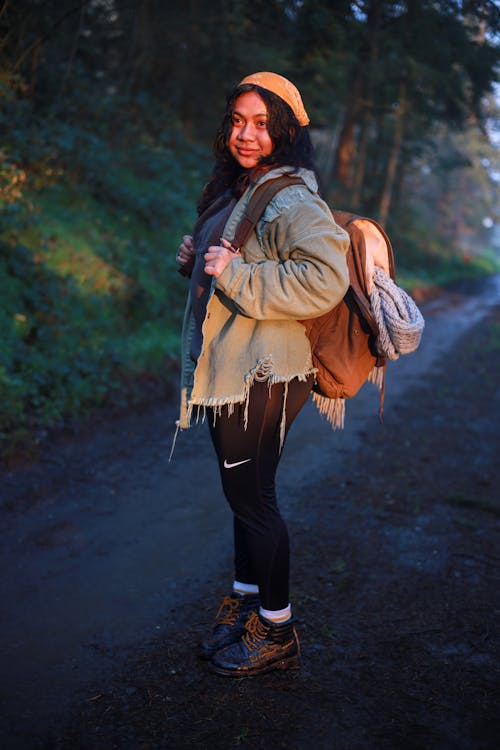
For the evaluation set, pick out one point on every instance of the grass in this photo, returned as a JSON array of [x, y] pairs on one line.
[[439, 272], [91, 303], [494, 342]]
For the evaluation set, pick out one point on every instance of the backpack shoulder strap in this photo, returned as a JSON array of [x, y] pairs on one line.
[[261, 197]]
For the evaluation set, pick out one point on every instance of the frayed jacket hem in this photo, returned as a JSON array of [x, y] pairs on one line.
[[196, 407]]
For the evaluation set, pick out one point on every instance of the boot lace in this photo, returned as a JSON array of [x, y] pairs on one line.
[[230, 616], [255, 632]]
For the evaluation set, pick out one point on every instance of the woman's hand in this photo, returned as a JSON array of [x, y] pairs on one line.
[[185, 255], [218, 257]]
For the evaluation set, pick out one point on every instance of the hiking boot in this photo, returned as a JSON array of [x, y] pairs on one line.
[[229, 622], [264, 646]]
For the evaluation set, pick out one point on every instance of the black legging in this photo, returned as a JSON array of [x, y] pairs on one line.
[[248, 459]]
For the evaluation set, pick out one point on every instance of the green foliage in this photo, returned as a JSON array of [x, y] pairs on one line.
[[51, 361], [494, 341], [425, 257], [90, 299]]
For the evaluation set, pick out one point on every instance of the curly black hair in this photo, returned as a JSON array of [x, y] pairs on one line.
[[291, 146]]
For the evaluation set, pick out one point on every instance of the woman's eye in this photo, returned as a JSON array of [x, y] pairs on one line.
[[262, 124]]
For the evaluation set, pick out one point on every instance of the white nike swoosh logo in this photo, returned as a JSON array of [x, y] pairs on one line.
[[227, 465]]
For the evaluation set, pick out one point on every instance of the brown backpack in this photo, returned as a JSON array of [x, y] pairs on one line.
[[343, 339]]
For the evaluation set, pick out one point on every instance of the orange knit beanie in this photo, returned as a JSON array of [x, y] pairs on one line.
[[283, 88]]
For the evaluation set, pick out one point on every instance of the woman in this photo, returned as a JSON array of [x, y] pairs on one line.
[[246, 358]]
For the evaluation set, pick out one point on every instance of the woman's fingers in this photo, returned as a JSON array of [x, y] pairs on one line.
[[187, 241], [216, 260], [186, 249]]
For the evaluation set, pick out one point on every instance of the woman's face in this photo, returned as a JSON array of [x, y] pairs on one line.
[[249, 141]]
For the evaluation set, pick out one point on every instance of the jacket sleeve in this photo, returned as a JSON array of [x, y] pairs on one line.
[[310, 274]]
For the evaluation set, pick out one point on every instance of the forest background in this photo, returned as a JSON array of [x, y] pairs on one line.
[[108, 111]]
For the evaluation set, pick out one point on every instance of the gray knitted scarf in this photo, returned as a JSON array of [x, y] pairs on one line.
[[399, 320]]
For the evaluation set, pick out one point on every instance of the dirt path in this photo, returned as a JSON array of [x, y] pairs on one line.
[[395, 573]]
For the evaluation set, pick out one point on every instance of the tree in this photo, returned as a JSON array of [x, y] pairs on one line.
[[400, 85]]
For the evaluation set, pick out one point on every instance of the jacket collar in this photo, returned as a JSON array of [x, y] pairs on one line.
[[306, 174]]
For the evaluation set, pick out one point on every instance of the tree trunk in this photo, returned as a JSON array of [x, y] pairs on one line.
[[359, 174], [71, 60], [392, 163], [350, 166], [373, 29], [346, 144]]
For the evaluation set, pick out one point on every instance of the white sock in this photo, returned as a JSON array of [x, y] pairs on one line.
[[276, 615], [245, 588]]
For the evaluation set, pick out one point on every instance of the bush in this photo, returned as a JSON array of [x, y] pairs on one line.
[[90, 300]]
